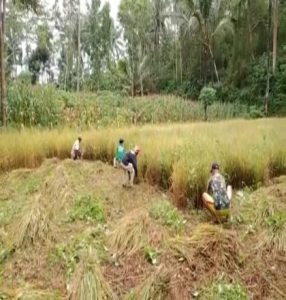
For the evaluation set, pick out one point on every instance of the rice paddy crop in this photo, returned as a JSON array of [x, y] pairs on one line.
[[174, 156]]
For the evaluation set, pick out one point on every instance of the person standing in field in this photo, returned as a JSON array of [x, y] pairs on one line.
[[129, 164], [119, 155], [218, 196], [76, 152]]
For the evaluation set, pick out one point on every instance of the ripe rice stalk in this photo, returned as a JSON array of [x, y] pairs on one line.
[[130, 233], [181, 246], [35, 224], [155, 286], [88, 281], [56, 188], [270, 215], [278, 239], [213, 244]]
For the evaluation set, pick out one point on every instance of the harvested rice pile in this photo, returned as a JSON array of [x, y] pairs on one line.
[[68, 231]]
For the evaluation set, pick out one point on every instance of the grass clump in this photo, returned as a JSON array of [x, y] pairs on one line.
[[88, 281], [271, 216], [209, 245], [35, 224], [88, 208], [130, 233], [151, 255], [167, 214], [68, 254], [221, 289], [155, 287]]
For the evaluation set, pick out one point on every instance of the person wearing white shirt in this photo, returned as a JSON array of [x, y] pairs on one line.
[[76, 150]]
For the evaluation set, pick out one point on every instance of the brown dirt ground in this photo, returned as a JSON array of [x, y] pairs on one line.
[[262, 270]]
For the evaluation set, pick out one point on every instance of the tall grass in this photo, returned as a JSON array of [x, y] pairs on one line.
[[49, 107], [174, 156]]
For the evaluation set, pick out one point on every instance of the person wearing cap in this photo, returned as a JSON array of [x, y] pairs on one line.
[[76, 152], [129, 164], [120, 152], [218, 196]]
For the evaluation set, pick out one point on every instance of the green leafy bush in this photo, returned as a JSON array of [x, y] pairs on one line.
[[167, 214], [87, 208], [208, 95]]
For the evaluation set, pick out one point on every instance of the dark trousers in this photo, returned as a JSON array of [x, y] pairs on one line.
[[76, 154]]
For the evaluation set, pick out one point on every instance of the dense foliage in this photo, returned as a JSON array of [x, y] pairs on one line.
[[48, 107], [237, 48]]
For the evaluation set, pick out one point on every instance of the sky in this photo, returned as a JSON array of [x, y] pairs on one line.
[[114, 5]]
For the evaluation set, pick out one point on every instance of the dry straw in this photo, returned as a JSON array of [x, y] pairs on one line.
[[88, 281], [36, 222], [154, 287], [209, 245], [130, 233]]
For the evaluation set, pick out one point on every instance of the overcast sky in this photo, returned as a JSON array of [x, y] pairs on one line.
[[114, 4]]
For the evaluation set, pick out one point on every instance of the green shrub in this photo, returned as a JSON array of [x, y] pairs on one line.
[[208, 97], [167, 214], [276, 221], [256, 112], [87, 208], [223, 290]]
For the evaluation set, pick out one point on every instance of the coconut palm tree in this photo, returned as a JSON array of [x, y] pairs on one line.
[[207, 18]]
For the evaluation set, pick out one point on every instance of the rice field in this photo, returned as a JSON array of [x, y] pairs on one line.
[[69, 230], [176, 157]]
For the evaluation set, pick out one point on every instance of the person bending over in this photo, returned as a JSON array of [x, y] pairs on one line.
[[129, 164]]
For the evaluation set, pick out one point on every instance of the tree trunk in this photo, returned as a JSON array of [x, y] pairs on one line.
[[181, 64], [2, 64], [141, 86], [78, 50], [267, 92], [275, 30], [206, 111], [214, 63]]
